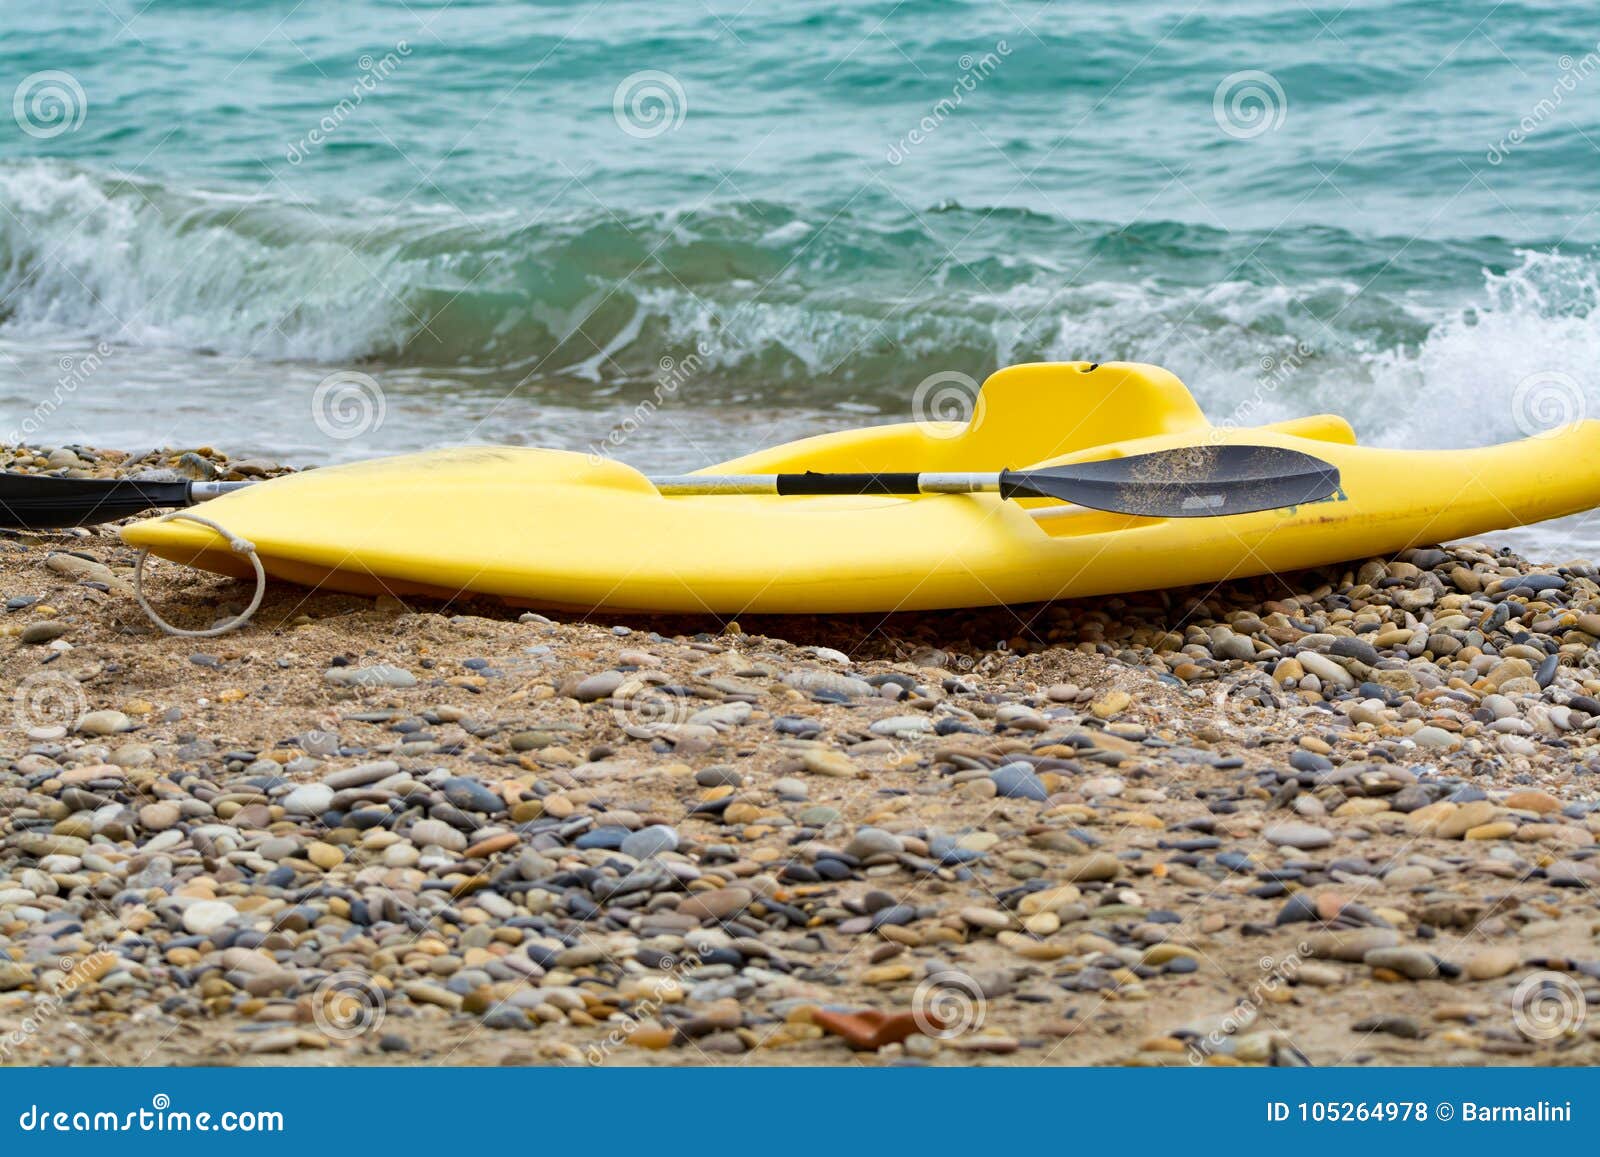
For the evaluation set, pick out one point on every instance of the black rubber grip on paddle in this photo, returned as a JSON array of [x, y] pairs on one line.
[[813, 483], [46, 501]]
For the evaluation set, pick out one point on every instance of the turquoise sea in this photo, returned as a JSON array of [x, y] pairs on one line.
[[322, 231]]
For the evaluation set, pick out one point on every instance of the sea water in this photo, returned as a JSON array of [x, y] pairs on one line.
[[677, 232]]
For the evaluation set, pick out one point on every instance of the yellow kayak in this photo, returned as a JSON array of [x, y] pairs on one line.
[[564, 530]]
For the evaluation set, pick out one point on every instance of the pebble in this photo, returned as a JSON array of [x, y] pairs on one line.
[[869, 842], [368, 678], [594, 687], [1018, 781], [1412, 963], [361, 775], [871, 1028], [1326, 669], [437, 833], [323, 855], [158, 817], [1302, 836], [1351, 946], [310, 799], [1464, 818], [829, 682], [826, 761], [1494, 962], [45, 631], [204, 917], [716, 903], [651, 841], [1096, 866], [103, 723], [1400, 1026], [1372, 771], [1434, 737], [471, 796]]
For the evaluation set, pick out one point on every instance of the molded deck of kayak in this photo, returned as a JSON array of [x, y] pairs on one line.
[[557, 529]]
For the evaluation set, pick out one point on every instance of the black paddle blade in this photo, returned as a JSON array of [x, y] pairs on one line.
[[42, 502], [1188, 482]]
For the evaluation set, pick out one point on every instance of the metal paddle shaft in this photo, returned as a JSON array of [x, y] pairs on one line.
[[45, 502], [1187, 482]]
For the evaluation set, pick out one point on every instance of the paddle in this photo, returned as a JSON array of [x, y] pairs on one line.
[[1187, 482], [42, 501]]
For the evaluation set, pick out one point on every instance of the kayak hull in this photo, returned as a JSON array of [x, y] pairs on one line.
[[562, 530]]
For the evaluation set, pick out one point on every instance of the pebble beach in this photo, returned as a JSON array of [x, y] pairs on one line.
[[1344, 816]]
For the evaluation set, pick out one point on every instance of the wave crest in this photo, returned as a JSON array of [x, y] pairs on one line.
[[754, 303]]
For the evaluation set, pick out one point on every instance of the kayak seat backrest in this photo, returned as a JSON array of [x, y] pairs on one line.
[[1023, 414], [1047, 409]]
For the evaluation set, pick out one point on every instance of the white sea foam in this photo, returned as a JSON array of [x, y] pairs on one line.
[[135, 264], [143, 266]]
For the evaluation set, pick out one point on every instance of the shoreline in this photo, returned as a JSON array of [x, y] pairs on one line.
[[1340, 816]]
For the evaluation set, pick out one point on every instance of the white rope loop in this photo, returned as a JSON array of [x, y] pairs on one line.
[[236, 544]]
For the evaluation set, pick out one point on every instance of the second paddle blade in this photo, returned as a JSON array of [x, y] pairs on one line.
[[1186, 482], [44, 502]]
